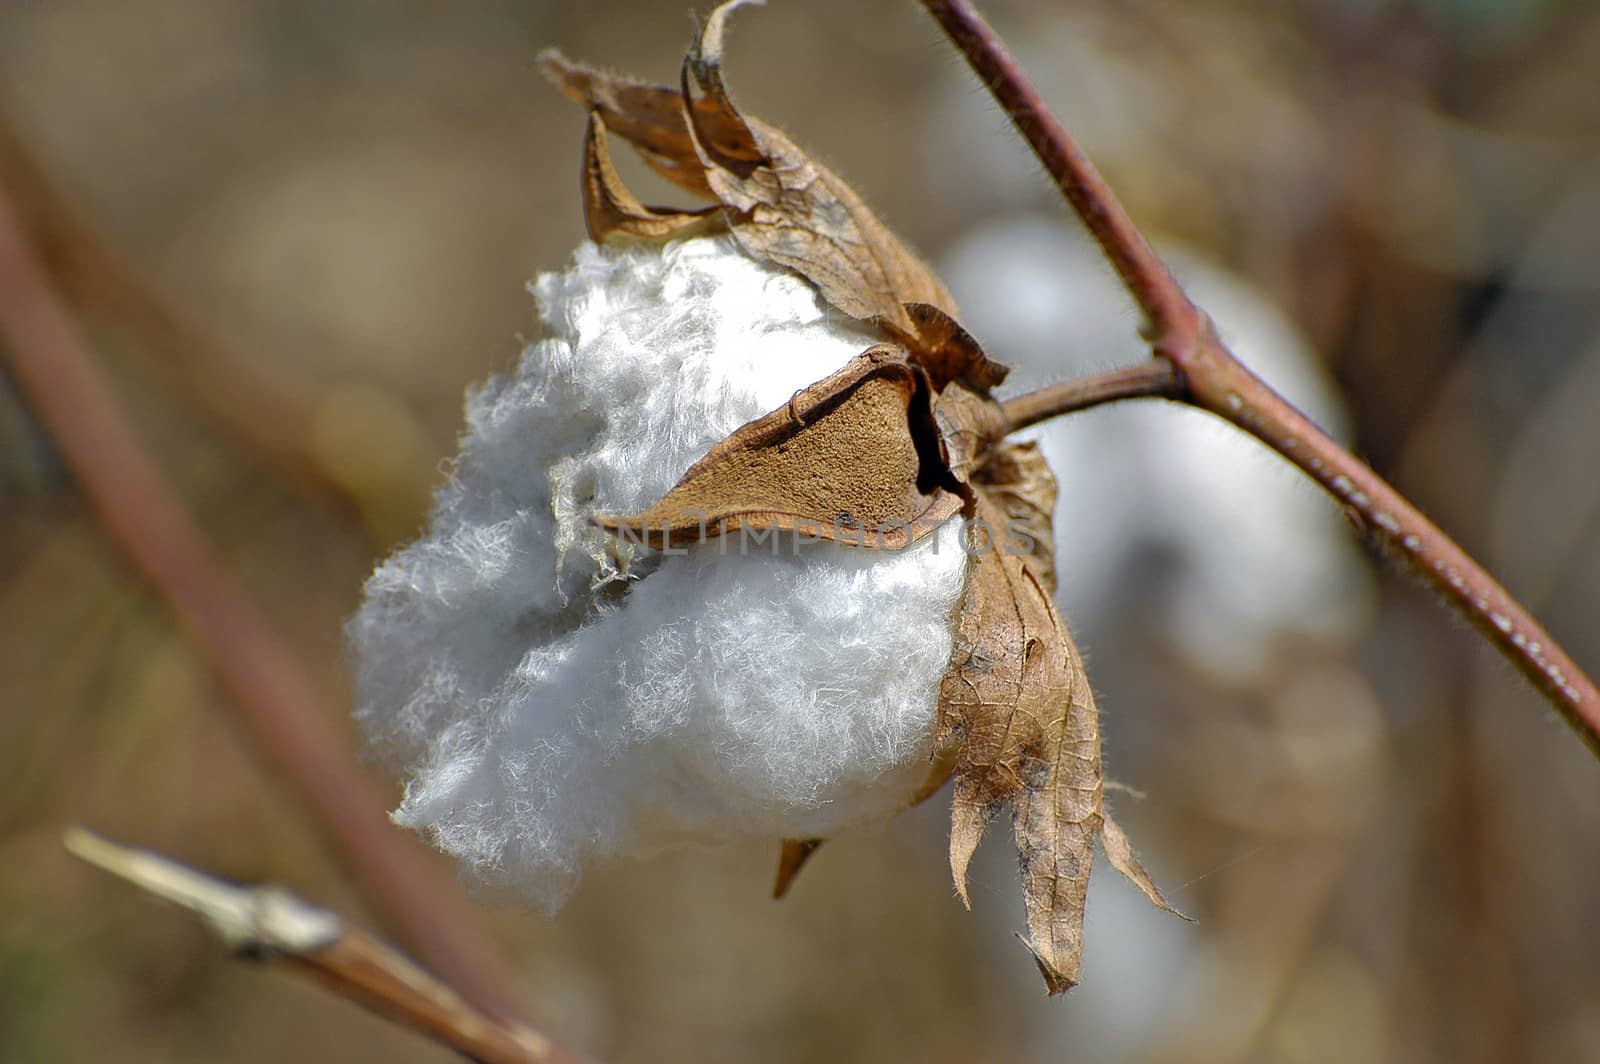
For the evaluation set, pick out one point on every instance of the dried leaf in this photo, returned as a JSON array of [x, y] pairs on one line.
[[650, 117], [614, 215], [1119, 851], [950, 353], [795, 212], [1017, 698], [1018, 480], [783, 207], [941, 766], [795, 853], [853, 459]]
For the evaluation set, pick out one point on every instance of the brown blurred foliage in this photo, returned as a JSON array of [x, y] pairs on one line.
[[1393, 849]]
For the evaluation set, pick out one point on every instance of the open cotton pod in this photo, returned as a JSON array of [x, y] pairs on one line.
[[739, 548]]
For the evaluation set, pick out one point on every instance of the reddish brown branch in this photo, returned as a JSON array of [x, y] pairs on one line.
[[1156, 379], [1165, 306], [268, 923], [1213, 379], [279, 706]]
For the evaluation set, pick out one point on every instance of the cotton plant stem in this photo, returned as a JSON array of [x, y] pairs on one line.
[[268, 923], [1213, 379], [1165, 306], [1156, 379], [266, 413], [277, 703]]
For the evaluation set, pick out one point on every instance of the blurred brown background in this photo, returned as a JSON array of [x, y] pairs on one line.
[[1392, 848]]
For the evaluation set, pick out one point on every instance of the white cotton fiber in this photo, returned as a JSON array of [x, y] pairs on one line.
[[545, 709]]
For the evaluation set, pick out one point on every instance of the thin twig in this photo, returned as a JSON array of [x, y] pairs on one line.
[[275, 700], [269, 923], [1213, 379], [1156, 379]]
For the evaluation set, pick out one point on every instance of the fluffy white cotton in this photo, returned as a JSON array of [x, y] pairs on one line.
[[1251, 552], [546, 709]]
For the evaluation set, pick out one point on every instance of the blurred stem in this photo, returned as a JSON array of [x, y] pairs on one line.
[[1212, 378], [276, 701], [269, 923], [269, 417]]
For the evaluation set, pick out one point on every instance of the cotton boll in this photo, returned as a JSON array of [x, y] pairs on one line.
[[1256, 552], [544, 708]]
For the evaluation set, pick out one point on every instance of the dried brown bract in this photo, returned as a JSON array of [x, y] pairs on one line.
[[879, 454], [855, 458], [782, 206]]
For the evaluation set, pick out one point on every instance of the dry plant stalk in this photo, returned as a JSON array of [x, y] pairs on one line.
[[268, 923]]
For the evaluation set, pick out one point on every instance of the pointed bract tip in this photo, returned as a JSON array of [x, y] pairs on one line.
[[796, 852], [1055, 981]]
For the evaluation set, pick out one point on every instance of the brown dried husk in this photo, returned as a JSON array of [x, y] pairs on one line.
[[781, 205], [1018, 702], [854, 459]]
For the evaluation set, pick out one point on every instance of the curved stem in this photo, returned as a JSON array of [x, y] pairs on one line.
[[265, 412], [1146, 277], [1213, 379], [1156, 379], [1226, 388], [276, 701]]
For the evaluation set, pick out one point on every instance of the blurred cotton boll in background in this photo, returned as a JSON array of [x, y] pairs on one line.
[[1219, 597], [1243, 550], [546, 708]]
